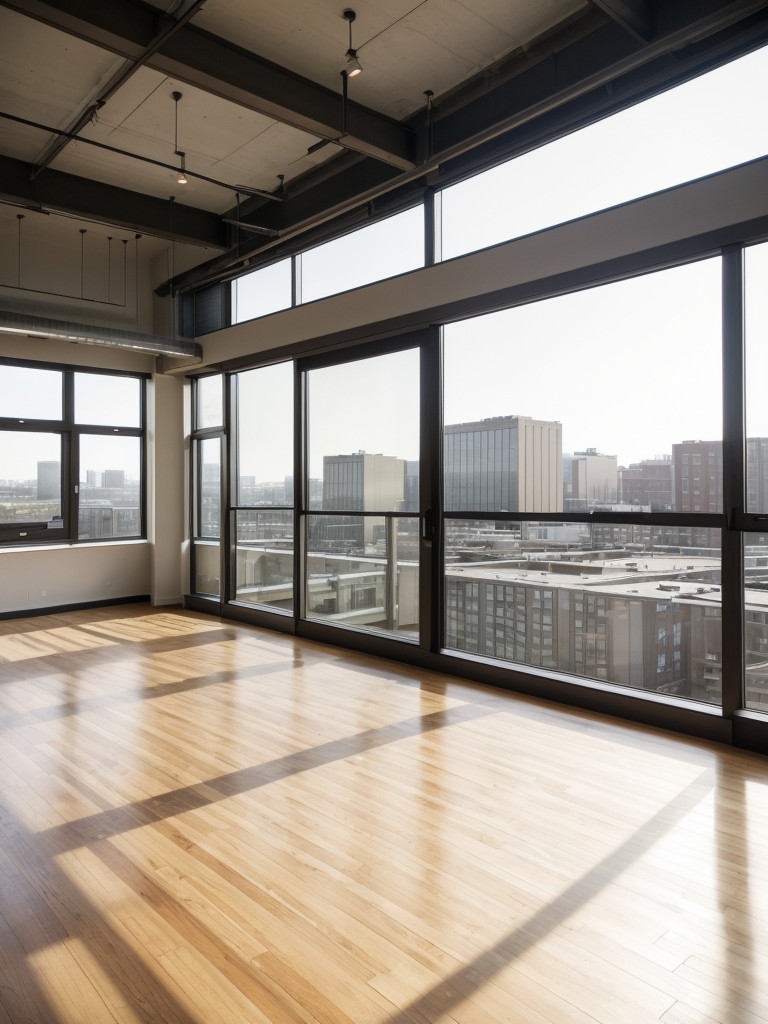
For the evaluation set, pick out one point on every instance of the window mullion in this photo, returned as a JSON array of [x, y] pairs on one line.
[[733, 479], [70, 460]]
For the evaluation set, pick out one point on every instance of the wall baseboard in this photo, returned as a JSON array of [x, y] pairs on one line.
[[56, 609]]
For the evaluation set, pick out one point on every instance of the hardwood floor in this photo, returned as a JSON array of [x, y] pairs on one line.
[[202, 822]]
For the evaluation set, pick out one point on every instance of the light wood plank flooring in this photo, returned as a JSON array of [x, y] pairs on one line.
[[202, 822]]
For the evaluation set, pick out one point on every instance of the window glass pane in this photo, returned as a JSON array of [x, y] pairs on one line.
[[30, 393], [106, 401], [388, 247], [207, 561], [756, 620], [261, 292], [547, 405], [30, 477], [545, 594], [363, 442], [209, 519], [756, 270], [690, 131], [265, 435], [364, 431], [110, 487], [264, 562], [364, 571], [210, 402]]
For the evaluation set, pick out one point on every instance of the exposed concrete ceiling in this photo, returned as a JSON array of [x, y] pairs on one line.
[[89, 125]]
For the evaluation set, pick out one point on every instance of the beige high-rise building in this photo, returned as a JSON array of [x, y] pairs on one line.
[[363, 482], [504, 464]]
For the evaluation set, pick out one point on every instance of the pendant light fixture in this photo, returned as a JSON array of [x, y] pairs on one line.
[[353, 66], [181, 177]]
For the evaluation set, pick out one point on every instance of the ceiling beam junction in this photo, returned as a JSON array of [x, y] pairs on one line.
[[635, 16], [169, 25], [208, 62]]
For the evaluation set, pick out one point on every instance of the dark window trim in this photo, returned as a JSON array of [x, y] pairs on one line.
[[70, 433]]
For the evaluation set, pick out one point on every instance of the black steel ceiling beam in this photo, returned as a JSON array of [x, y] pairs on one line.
[[57, 192], [207, 62], [635, 16]]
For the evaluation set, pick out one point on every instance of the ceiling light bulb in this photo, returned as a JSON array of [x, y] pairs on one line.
[[181, 177], [354, 67]]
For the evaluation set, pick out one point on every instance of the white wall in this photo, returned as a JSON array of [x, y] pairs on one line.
[[35, 578], [47, 268], [166, 505]]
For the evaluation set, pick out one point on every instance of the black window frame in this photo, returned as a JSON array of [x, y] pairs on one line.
[[37, 532], [199, 434]]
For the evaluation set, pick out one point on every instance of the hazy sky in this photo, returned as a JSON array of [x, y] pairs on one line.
[[100, 399], [708, 124], [628, 368]]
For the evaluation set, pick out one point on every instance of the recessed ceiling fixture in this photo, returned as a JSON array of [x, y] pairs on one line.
[[353, 66], [181, 177]]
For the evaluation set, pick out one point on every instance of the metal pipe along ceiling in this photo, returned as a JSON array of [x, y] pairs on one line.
[[107, 337]]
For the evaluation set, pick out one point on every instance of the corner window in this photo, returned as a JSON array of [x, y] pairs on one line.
[[71, 454]]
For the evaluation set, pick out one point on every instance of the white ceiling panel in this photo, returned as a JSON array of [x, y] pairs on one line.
[[220, 139], [45, 74], [280, 150], [405, 47], [21, 142]]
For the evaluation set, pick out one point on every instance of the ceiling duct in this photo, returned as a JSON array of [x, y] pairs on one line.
[[106, 337]]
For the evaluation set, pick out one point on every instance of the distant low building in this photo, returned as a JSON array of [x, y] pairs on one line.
[[654, 625], [589, 479], [647, 483]]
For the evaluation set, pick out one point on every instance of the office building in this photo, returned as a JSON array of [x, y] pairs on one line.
[[697, 467], [114, 479], [594, 618], [589, 479], [647, 483], [757, 474], [503, 464]]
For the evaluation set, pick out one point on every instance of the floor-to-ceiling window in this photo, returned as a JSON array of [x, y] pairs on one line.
[[362, 493], [263, 487], [598, 416], [756, 479], [207, 513]]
